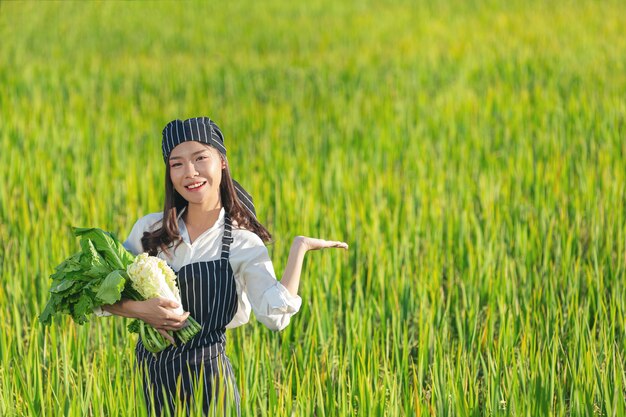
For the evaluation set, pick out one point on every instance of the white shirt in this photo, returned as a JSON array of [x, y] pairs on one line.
[[257, 287]]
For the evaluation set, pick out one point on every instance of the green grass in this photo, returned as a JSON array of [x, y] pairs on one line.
[[473, 155]]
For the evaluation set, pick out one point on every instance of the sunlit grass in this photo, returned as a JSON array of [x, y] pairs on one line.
[[471, 153]]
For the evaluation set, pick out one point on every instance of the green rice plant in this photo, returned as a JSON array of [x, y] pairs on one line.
[[472, 154]]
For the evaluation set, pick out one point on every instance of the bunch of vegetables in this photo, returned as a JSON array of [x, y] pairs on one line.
[[104, 272], [151, 277]]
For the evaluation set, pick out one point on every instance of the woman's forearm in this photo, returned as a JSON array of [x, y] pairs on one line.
[[291, 276], [124, 308]]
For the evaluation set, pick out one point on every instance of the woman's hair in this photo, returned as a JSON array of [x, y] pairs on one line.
[[163, 238]]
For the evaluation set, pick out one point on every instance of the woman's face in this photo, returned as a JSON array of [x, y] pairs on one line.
[[196, 173]]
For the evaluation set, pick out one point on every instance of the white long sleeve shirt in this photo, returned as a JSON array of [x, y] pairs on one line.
[[255, 279]]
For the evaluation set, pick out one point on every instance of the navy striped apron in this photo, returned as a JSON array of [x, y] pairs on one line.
[[208, 292]]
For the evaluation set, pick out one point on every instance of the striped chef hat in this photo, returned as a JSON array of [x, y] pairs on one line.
[[200, 129]]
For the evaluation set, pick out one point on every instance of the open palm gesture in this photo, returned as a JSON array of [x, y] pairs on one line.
[[311, 243]]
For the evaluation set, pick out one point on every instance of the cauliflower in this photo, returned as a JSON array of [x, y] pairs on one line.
[[152, 277]]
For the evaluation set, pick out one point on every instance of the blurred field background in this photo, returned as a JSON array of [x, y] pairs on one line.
[[472, 153]]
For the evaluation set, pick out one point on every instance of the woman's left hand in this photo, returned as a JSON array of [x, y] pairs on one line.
[[311, 243], [302, 244]]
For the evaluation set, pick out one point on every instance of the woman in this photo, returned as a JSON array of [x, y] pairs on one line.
[[209, 234]]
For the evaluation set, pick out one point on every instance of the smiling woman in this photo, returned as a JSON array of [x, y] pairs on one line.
[[208, 232], [196, 174]]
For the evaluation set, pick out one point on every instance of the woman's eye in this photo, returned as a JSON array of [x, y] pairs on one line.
[[175, 165]]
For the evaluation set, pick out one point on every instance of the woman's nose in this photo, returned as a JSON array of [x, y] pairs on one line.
[[190, 170]]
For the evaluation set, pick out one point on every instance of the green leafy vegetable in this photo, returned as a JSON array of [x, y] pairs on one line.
[[93, 277], [97, 276], [112, 287], [108, 245]]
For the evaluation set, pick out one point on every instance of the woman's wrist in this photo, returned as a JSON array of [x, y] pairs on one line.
[[125, 308], [300, 243]]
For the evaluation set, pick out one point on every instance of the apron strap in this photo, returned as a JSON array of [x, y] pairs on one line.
[[227, 238]]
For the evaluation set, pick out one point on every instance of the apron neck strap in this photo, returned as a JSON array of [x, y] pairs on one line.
[[227, 238]]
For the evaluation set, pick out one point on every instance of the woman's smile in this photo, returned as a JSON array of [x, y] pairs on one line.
[[196, 186]]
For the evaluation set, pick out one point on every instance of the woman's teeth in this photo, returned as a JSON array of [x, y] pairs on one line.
[[196, 185]]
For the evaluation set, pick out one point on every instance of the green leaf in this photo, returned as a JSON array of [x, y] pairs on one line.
[[111, 288], [92, 263], [109, 247], [70, 264], [62, 286], [46, 316], [133, 327], [83, 307], [126, 256]]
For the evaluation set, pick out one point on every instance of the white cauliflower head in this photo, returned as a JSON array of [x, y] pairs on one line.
[[152, 277]]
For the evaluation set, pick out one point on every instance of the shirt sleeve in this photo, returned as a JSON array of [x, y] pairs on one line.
[[134, 246], [272, 303], [133, 242]]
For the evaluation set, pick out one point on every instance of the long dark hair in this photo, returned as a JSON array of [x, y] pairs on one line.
[[163, 238]]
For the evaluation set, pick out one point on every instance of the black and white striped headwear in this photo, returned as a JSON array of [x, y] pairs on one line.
[[200, 129]]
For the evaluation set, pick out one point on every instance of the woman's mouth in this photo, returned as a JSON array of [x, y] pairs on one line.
[[195, 186]]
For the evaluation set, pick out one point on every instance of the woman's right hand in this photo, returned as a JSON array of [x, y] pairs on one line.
[[157, 312]]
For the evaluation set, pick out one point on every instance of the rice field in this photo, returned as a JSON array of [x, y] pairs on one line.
[[472, 153]]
